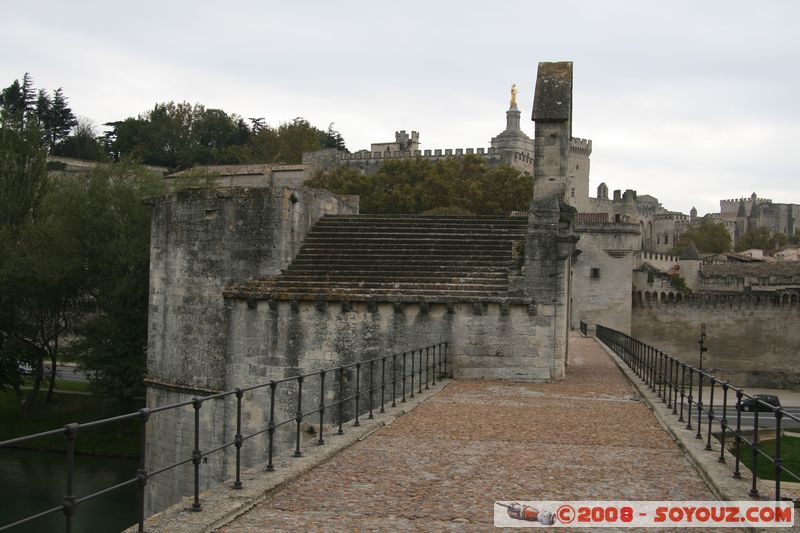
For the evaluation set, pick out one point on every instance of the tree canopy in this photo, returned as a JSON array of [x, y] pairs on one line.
[[85, 247], [708, 236], [463, 185], [182, 135], [21, 104], [761, 237]]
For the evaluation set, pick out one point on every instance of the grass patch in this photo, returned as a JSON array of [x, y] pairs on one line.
[[61, 384], [115, 439], [790, 455]]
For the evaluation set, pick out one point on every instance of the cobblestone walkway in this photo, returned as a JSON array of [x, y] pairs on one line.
[[441, 467]]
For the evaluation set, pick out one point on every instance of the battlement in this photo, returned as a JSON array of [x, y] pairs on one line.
[[579, 146], [732, 201], [714, 300], [653, 257], [432, 154], [402, 136], [600, 202]]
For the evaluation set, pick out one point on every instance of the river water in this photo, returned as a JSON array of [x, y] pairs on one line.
[[33, 481]]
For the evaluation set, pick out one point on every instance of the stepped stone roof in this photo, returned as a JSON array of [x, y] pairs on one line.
[[783, 268], [400, 258]]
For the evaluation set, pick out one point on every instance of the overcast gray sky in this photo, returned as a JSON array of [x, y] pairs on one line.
[[688, 101]]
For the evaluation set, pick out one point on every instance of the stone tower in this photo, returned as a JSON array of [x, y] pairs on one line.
[[741, 221], [552, 112], [513, 140]]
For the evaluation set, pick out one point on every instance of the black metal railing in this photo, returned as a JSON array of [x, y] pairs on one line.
[[381, 378], [677, 383], [584, 328]]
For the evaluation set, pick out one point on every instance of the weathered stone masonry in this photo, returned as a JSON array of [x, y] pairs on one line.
[[752, 340], [249, 285], [202, 240]]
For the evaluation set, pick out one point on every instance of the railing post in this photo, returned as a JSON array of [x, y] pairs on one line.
[[754, 448], [778, 460], [420, 371], [394, 380], [669, 381], [441, 375], [723, 423], [445, 358], [238, 439], [299, 416], [738, 435], [413, 356], [699, 404], [427, 369], [403, 400], [383, 382], [433, 365], [68, 505], [689, 402], [676, 363], [341, 400], [141, 472], [197, 455], [271, 424], [358, 392], [710, 412], [639, 352], [321, 440], [371, 384], [683, 390]]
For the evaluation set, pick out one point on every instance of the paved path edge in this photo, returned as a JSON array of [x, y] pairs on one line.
[[222, 504]]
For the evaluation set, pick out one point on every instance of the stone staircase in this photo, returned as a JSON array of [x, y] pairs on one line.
[[399, 258]]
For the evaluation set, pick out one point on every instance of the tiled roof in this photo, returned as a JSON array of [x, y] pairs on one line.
[[784, 268]]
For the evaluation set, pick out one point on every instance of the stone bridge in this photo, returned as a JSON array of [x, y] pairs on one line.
[[440, 463]]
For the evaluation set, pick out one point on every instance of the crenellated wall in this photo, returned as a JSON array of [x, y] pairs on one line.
[[753, 340], [660, 261]]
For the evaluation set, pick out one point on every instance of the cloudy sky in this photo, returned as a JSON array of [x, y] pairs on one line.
[[689, 101]]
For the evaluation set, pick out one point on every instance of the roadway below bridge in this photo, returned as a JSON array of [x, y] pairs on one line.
[[443, 465]]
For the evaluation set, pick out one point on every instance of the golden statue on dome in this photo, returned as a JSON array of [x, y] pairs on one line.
[[514, 95]]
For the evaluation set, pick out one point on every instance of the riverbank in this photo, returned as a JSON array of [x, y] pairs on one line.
[[110, 440]]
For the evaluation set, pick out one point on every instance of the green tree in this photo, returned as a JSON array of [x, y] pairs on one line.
[[297, 137], [23, 183], [23, 172], [708, 236], [60, 120], [83, 143], [454, 185], [17, 101], [107, 211], [761, 237], [40, 279]]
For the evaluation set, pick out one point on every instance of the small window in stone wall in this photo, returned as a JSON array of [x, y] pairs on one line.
[[572, 192], [595, 273]]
